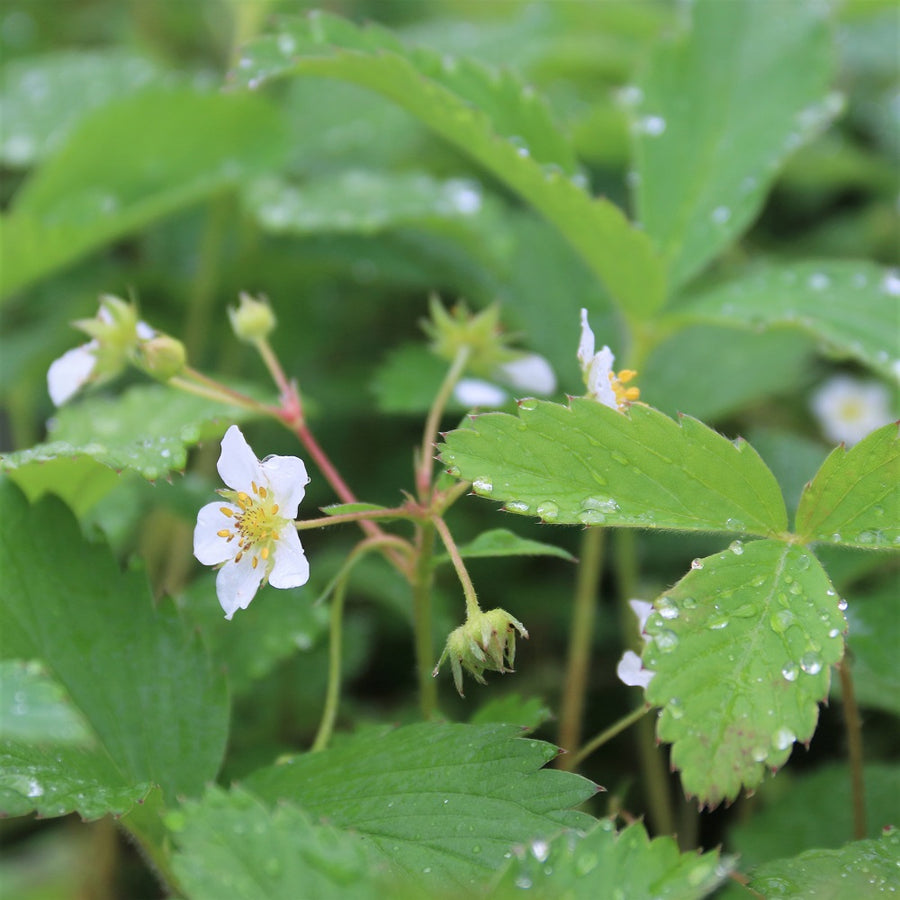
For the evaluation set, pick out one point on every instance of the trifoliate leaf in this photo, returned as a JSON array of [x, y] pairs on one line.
[[441, 803], [742, 648], [850, 307], [590, 465], [134, 672], [861, 870], [605, 865], [500, 542], [488, 115], [855, 496], [761, 81]]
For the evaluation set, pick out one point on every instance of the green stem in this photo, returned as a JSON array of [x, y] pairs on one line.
[[655, 777], [581, 637], [333, 694], [472, 607], [607, 735], [854, 750], [425, 464], [422, 581], [195, 382], [343, 518]]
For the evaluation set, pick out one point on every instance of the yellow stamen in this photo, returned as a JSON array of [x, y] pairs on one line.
[[254, 562], [627, 375], [264, 553], [274, 510], [224, 533], [238, 555], [226, 511], [262, 492]]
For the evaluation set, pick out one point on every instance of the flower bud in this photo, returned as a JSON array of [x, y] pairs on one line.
[[486, 642], [253, 320], [161, 356]]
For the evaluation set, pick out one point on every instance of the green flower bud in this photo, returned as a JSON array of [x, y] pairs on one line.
[[479, 332], [161, 356], [486, 642], [253, 319]]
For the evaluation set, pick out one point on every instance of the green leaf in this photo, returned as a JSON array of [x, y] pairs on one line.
[[131, 162], [854, 498], [500, 542], [815, 811], [590, 465], [147, 429], [861, 869], [759, 80], [605, 865], [135, 672], [528, 712], [442, 803], [742, 648], [43, 97], [33, 708], [484, 113], [231, 845], [873, 641], [850, 307]]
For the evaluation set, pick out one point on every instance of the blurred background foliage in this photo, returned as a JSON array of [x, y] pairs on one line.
[[346, 213]]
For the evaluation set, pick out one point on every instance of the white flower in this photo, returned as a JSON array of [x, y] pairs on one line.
[[631, 668], [71, 372], [114, 332], [632, 672], [603, 384], [529, 374], [252, 535], [848, 409]]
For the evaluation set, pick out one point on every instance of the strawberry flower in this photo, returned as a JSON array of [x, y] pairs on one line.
[[249, 534]]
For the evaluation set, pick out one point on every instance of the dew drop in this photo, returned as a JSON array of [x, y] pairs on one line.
[[697, 564], [483, 486], [834, 632], [717, 623], [548, 511], [759, 754], [836, 537], [891, 284], [652, 126], [783, 738], [736, 547], [689, 602], [720, 215], [517, 506], [629, 95], [675, 706], [286, 44], [803, 562], [667, 608], [734, 524], [818, 281], [591, 517], [790, 672], [666, 640], [842, 604], [540, 850], [528, 404], [781, 620], [811, 663]]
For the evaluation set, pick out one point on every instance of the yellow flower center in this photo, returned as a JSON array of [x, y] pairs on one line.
[[256, 526], [624, 395]]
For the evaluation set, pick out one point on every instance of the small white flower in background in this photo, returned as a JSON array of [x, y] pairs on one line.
[[115, 331], [530, 374], [631, 669], [848, 409], [251, 536], [603, 384]]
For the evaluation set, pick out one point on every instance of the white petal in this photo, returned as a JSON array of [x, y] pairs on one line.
[[144, 331], [475, 392], [586, 344], [631, 670], [287, 479], [848, 409], [291, 567], [70, 372], [531, 373], [238, 465], [642, 610], [209, 547], [598, 383], [237, 584]]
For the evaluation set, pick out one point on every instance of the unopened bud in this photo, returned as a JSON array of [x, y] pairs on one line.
[[253, 319], [162, 356]]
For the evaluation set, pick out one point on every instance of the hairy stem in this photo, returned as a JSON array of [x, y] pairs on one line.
[[854, 750], [333, 693], [581, 636], [422, 582], [472, 607], [425, 463]]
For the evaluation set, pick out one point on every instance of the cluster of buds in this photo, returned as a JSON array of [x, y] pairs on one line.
[[486, 642]]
